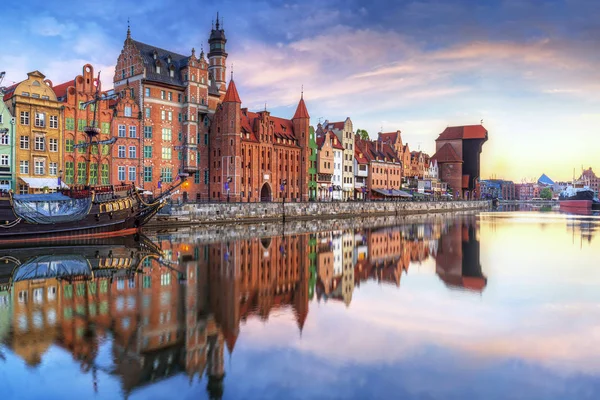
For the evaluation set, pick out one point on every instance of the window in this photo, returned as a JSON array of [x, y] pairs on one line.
[[81, 123], [147, 151], [170, 95], [81, 171], [39, 167], [53, 145], [132, 174], [70, 124], [170, 115], [165, 278], [147, 174], [122, 131], [69, 145], [106, 128], [179, 117], [166, 134], [121, 152], [132, 152], [197, 179], [166, 153], [40, 143], [166, 175], [179, 97], [147, 112], [53, 168], [163, 115], [40, 120], [133, 131], [131, 70], [162, 94], [127, 111], [4, 138], [104, 174], [147, 132], [69, 171], [147, 92], [24, 117], [206, 138], [158, 69], [4, 161], [206, 177], [121, 173], [147, 282], [54, 121]]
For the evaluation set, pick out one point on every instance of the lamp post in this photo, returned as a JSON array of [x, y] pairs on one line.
[[283, 183], [227, 187]]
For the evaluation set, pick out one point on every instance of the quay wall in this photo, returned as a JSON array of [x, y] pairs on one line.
[[191, 214], [231, 231]]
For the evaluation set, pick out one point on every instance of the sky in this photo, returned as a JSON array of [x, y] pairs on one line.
[[527, 69]]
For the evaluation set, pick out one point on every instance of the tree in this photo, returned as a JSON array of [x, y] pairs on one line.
[[546, 193], [363, 134]]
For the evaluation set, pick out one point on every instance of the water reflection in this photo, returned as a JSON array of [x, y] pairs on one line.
[[133, 313]]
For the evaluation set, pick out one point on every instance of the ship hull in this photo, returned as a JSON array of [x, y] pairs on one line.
[[96, 224], [576, 205]]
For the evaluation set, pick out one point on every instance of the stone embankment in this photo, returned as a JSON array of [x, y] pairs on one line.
[[232, 231], [193, 214]]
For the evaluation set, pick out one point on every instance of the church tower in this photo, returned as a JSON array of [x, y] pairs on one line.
[[217, 57]]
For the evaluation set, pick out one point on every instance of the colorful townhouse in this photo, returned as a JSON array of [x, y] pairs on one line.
[[7, 149], [38, 133], [74, 94], [384, 178], [344, 131]]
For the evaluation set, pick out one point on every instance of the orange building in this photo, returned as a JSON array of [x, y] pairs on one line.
[[385, 168], [324, 165], [76, 117]]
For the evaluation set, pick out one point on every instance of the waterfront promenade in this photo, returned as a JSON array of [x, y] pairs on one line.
[[192, 214]]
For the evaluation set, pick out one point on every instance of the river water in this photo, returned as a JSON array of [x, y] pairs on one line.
[[465, 306]]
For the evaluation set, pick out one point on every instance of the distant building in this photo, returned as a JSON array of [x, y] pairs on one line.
[[458, 151], [325, 166], [344, 131], [591, 179]]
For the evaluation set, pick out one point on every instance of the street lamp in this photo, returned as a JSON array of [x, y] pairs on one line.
[[227, 187]]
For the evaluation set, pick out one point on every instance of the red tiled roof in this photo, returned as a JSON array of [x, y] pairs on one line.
[[463, 132], [283, 128], [360, 158], [61, 90], [247, 122], [390, 137], [336, 144], [301, 111], [9, 92], [446, 154], [232, 95], [335, 125]]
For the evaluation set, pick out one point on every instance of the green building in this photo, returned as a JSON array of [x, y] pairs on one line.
[[312, 170], [7, 154]]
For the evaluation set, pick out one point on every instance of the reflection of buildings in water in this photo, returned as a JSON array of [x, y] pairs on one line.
[[457, 260]]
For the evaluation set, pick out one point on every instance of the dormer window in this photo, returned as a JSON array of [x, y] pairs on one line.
[[169, 59], [172, 72], [155, 55], [158, 68]]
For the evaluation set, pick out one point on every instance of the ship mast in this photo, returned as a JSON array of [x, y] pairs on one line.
[[92, 131]]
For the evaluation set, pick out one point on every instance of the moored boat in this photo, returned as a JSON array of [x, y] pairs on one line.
[[576, 197]]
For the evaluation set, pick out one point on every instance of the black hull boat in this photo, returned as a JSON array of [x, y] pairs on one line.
[[85, 212], [577, 200]]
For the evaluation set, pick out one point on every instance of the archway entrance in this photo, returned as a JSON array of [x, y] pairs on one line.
[[265, 193]]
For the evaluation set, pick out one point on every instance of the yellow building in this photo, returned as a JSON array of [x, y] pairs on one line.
[[38, 134]]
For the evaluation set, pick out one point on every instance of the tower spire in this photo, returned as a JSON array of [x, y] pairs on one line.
[[128, 29], [302, 92], [217, 21], [231, 71]]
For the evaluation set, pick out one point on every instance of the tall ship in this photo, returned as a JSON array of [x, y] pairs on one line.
[[81, 211]]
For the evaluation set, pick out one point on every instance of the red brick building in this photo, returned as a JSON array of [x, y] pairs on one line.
[[73, 93], [126, 152], [458, 149], [252, 154], [178, 95]]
